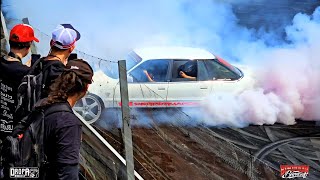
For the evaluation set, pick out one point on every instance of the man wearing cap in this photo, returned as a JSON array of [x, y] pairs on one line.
[[64, 37], [12, 71]]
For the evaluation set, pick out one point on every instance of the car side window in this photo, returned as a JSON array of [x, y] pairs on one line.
[[151, 71], [203, 73], [184, 70], [213, 70]]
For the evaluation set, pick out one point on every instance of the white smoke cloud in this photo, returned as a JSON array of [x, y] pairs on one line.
[[250, 107], [110, 29], [288, 82]]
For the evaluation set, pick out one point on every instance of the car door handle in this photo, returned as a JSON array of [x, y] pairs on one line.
[[161, 88], [203, 87]]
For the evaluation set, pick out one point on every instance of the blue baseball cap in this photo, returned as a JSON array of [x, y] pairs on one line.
[[64, 36]]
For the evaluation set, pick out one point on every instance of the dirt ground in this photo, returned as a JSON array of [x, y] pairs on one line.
[[254, 152]]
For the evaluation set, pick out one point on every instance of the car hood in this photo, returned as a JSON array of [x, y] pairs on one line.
[[102, 84]]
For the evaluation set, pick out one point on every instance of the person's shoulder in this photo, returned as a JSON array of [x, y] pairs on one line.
[[11, 61], [68, 119], [63, 117], [53, 67], [15, 68], [53, 63]]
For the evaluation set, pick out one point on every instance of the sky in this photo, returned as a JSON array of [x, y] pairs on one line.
[[110, 29]]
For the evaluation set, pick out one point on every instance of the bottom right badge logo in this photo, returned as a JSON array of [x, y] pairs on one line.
[[294, 171]]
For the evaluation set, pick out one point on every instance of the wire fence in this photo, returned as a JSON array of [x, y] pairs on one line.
[[108, 67], [43, 48]]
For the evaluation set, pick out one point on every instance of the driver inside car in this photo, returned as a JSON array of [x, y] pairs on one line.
[[155, 71], [188, 70], [149, 75], [184, 75]]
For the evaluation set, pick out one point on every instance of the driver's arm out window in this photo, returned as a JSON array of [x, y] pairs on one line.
[[157, 69]]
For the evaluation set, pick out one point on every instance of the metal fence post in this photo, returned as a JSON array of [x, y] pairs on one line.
[[126, 127], [5, 41]]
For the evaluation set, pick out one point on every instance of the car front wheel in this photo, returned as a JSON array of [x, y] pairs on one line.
[[89, 107]]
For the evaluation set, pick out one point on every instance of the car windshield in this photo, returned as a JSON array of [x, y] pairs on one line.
[[132, 59], [229, 66], [111, 69]]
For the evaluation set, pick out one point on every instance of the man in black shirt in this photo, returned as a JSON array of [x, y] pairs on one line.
[[62, 44], [12, 71], [50, 67]]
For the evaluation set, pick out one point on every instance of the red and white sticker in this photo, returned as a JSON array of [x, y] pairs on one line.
[[294, 171], [162, 104]]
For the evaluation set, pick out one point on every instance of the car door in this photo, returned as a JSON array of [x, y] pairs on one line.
[[144, 92], [185, 92], [221, 78]]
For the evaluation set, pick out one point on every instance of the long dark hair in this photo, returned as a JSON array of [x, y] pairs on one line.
[[67, 84]]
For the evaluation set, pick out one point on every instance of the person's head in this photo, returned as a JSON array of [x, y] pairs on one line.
[[72, 84], [63, 40], [189, 68], [21, 37]]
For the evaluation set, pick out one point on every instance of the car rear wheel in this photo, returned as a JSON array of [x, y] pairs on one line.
[[89, 107]]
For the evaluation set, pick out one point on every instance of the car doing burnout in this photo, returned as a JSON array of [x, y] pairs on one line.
[[162, 77]]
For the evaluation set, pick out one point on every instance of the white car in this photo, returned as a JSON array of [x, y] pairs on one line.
[[166, 85]]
